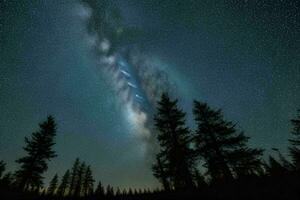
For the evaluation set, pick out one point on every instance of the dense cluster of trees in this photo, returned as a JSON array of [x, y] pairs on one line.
[[77, 182], [203, 161], [215, 145], [216, 142]]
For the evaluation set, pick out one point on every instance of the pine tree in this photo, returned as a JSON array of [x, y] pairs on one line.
[[295, 141], [140, 191], [124, 192], [7, 180], [64, 185], [53, 186], [74, 176], [222, 147], [118, 192], [109, 191], [88, 182], [79, 182], [175, 153], [275, 168], [159, 171], [284, 162], [99, 192], [39, 149], [2, 167], [130, 192], [199, 179], [245, 161]]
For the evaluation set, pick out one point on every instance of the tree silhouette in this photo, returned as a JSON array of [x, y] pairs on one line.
[[88, 182], [221, 146], [2, 167], [129, 192], [53, 186], [79, 182], [39, 149], [64, 185], [284, 162], [99, 192], [174, 138], [295, 141], [245, 161], [275, 168], [7, 180], [199, 179], [109, 191], [118, 192], [124, 192], [159, 171], [74, 176]]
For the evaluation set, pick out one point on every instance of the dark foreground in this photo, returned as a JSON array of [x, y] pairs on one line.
[[279, 187]]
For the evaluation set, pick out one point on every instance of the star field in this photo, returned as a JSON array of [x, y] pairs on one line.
[[241, 56]]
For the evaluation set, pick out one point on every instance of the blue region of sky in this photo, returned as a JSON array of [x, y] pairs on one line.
[[240, 56]]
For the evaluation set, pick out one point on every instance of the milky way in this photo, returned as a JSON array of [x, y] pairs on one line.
[[137, 79]]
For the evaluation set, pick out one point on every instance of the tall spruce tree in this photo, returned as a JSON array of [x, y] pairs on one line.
[[222, 147], [7, 180], [159, 171], [245, 161], [118, 192], [109, 191], [64, 185], [275, 168], [2, 167], [99, 192], [199, 179], [88, 182], [74, 176], [295, 141], [53, 186], [175, 154], [39, 149], [79, 182]]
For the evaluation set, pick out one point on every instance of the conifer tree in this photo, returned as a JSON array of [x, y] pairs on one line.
[[74, 176], [118, 192], [99, 192], [7, 180], [79, 182], [284, 162], [275, 168], [88, 182], [109, 191], [174, 137], [130, 192], [64, 185], [2, 167], [124, 192], [39, 149], [199, 179], [295, 141], [159, 171], [245, 161], [222, 147], [140, 191], [53, 186]]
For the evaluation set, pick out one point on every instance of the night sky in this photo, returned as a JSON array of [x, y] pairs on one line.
[[241, 56]]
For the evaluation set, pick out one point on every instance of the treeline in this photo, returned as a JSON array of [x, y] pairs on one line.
[[213, 161], [77, 182], [216, 143], [217, 146]]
